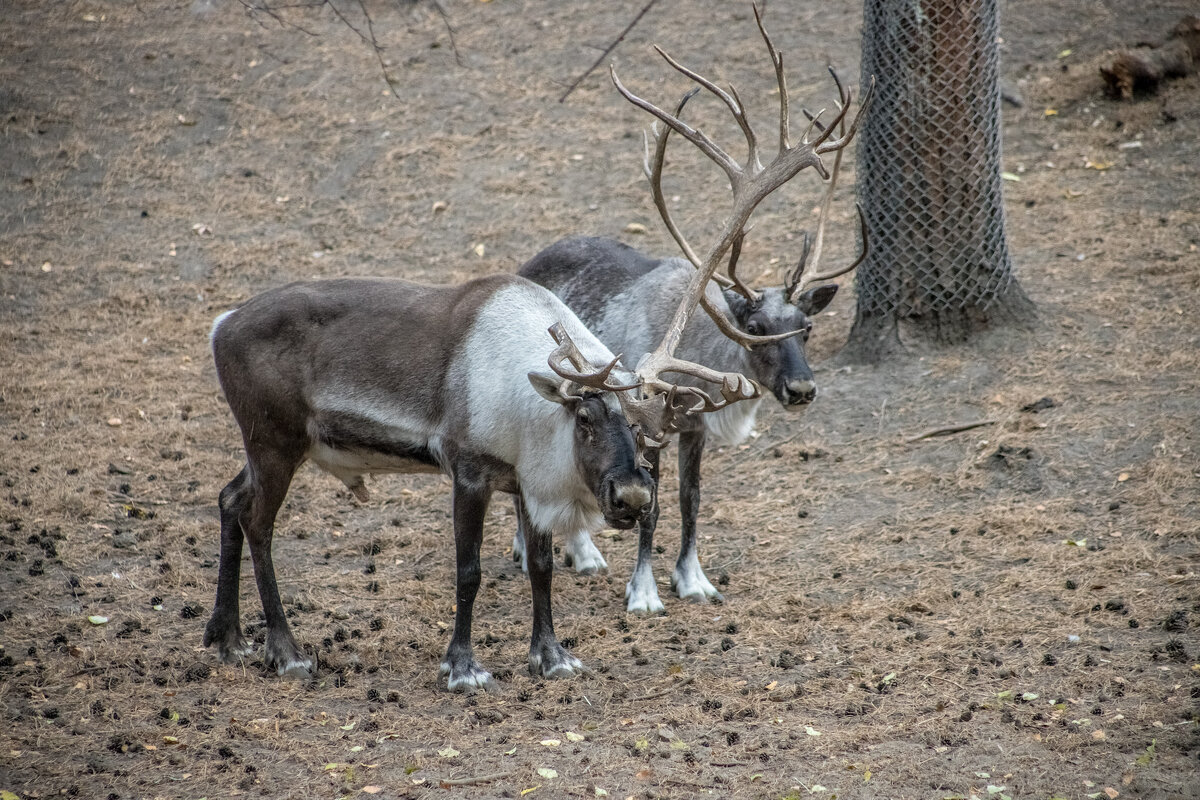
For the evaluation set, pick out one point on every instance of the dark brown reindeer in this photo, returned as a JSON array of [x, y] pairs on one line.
[[625, 297], [375, 375]]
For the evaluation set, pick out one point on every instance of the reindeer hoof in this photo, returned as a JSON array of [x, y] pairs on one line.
[[232, 646], [641, 597], [466, 677], [288, 659], [690, 583], [300, 669], [553, 662]]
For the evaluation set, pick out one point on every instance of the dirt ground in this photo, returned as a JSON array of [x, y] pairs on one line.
[[1007, 611]]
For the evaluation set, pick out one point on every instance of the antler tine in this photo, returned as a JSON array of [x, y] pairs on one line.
[[834, 273], [741, 288], [653, 169], [696, 137], [730, 99], [568, 351], [821, 146], [792, 281], [777, 61]]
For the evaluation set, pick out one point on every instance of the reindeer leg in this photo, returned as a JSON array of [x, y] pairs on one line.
[[224, 627], [580, 552], [689, 580], [470, 503], [547, 657], [641, 593], [270, 473], [519, 553]]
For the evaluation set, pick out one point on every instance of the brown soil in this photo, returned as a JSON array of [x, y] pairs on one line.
[[1012, 606]]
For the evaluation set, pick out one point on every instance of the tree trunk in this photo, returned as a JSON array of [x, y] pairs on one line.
[[929, 177]]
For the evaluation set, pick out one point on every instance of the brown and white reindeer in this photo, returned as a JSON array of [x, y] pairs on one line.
[[495, 383], [626, 297], [374, 375]]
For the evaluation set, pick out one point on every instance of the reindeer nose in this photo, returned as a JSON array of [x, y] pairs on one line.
[[632, 497], [801, 392]]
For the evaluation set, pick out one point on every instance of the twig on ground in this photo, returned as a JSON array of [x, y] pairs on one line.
[[946, 430], [446, 783], [607, 50], [947, 680], [668, 690]]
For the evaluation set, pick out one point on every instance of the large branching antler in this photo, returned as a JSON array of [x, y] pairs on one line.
[[750, 183]]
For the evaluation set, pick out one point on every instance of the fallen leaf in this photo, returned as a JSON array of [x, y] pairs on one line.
[[372, 789], [510, 752], [599, 792], [530, 789], [1051, 112], [113, 422], [1124, 476], [1064, 53], [8, 796], [97, 620], [867, 776], [349, 726], [771, 686], [644, 774], [358, 748], [1010, 176], [447, 752], [480, 249], [635, 227], [547, 773], [1098, 735], [1098, 165], [1076, 542], [550, 742], [1112, 793], [572, 736], [811, 731]]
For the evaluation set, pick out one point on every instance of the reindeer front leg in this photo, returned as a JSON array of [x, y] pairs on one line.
[[547, 657], [641, 593], [470, 502], [688, 579]]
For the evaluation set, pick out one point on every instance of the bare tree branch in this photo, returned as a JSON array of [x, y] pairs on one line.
[[608, 50]]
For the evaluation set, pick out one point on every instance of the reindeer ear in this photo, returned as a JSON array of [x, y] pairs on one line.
[[814, 300], [549, 386]]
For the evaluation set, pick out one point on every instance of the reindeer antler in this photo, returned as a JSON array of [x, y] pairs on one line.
[[795, 282], [750, 183]]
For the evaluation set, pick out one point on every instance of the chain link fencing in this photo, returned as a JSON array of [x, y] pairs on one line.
[[928, 167]]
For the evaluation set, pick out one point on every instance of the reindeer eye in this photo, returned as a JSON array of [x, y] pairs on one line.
[[583, 415], [754, 329]]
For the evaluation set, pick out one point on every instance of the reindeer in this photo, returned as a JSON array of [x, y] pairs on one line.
[[624, 296], [375, 375]]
